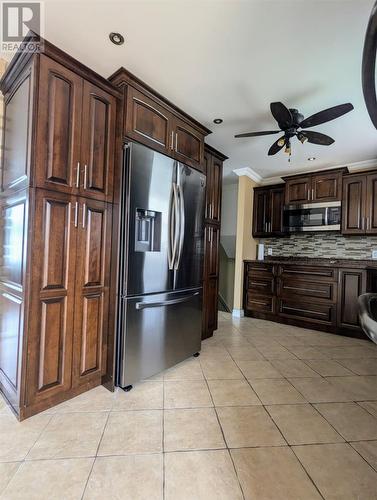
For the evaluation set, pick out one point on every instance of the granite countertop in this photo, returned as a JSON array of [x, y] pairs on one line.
[[351, 263]]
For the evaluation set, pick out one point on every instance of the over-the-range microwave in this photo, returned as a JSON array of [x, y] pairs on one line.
[[313, 217]]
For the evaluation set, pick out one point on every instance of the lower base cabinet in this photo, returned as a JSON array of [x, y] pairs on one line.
[[310, 296]]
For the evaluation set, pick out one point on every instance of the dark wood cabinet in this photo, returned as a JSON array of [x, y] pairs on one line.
[[57, 194], [268, 211], [153, 120], [359, 211], [75, 133], [352, 283], [213, 166], [325, 186], [308, 295]]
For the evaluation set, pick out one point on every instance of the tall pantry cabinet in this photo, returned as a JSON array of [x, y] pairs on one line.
[[57, 178]]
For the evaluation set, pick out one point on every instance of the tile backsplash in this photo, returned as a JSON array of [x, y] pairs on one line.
[[316, 245]]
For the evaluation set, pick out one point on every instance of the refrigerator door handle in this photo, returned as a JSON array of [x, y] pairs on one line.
[[181, 226], [173, 227], [147, 305]]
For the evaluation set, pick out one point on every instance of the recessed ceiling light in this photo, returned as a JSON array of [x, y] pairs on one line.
[[311, 158], [217, 121], [116, 38]]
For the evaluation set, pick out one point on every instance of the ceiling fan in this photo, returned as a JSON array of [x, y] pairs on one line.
[[291, 122]]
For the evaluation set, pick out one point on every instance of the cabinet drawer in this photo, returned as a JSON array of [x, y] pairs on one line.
[[323, 292], [307, 311], [309, 273], [259, 269], [262, 286], [259, 303]]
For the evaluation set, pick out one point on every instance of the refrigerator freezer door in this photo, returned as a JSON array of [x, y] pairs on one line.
[[149, 204], [159, 331], [189, 260]]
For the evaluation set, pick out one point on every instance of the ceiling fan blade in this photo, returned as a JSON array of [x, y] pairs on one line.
[[256, 134], [281, 114], [326, 115], [275, 148], [317, 138]]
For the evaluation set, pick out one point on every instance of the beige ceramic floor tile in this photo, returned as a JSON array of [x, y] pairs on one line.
[[129, 432], [370, 406], [243, 353], [362, 388], [7, 471], [186, 394], [201, 475], [302, 424], [338, 471], [328, 367], [220, 369], [248, 426], [361, 366], [232, 393], [276, 353], [16, 438], [192, 429], [350, 420], [98, 399], [368, 450], [320, 390], [147, 395], [132, 477], [350, 352], [188, 370], [272, 474], [307, 352], [258, 369], [50, 480], [291, 368], [276, 391], [70, 435]]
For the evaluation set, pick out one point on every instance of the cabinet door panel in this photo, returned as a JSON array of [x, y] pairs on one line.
[[212, 241], [327, 187], [92, 290], [52, 297], [148, 122], [59, 127], [210, 306], [188, 145], [352, 283], [371, 211], [276, 210], [298, 190], [260, 212], [354, 205], [307, 311], [209, 182], [98, 138]]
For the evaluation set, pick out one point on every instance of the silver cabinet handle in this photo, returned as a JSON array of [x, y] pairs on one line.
[[176, 141], [76, 213], [363, 223], [367, 224], [312, 194], [172, 140], [83, 215], [85, 176], [78, 175]]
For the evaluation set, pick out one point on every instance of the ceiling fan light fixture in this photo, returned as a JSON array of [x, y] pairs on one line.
[[302, 138], [281, 142]]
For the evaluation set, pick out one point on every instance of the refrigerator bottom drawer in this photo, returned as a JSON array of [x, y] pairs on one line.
[[159, 331]]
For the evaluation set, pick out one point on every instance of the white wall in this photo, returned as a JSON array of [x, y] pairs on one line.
[[229, 209]]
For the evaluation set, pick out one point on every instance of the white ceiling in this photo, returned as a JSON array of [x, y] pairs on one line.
[[230, 59]]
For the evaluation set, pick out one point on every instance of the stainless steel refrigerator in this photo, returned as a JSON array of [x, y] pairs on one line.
[[161, 268]]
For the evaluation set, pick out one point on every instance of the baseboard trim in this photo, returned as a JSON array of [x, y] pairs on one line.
[[238, 313]]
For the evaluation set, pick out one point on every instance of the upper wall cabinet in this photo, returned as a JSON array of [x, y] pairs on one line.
[[214, 170], [359, 211], [151, 119], [314, 188], [268, 211], [75, 134]]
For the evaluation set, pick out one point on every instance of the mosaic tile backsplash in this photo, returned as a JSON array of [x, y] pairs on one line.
[[316, 245]]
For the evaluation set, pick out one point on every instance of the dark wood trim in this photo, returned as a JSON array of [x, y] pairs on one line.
[[342, 170], [215, 152]]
